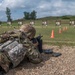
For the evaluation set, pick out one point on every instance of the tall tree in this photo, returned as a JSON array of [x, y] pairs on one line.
[[33, 15], [27, 15], [0, 22], [8, 13]]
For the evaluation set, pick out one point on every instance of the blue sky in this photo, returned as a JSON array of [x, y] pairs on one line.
[[42, 7]]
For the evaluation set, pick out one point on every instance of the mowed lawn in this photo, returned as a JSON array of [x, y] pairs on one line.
[[66, 37]]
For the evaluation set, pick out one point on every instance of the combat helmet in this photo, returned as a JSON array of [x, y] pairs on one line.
[[29, 30]]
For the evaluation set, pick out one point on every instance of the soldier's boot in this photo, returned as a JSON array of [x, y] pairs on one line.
[[4, 62]]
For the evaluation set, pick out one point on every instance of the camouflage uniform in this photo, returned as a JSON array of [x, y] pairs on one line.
[[29, 51]]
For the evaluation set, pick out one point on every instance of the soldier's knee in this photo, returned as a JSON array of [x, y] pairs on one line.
[[35, 59]]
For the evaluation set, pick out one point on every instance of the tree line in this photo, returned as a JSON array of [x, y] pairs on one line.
[[27, 15]]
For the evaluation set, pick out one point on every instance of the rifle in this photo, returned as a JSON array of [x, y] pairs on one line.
[[39, 37], [40, 43]]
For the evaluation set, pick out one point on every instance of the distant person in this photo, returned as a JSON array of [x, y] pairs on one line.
[[9, 23], [73, 22], [20, 23], [70, 23], [74, 26], [32, 23], [58, 23], [45, 23]]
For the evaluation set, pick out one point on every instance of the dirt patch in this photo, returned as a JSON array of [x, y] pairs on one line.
[[62, 65]]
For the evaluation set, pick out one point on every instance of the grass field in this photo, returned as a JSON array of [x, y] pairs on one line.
[[67, 37]]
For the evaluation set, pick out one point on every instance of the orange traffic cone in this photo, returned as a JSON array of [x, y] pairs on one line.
[[66, 27], [60, 30], [52, 34]]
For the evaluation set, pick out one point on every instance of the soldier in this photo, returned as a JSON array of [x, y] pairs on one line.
[[15, 52], [45, 23], [32, 23]]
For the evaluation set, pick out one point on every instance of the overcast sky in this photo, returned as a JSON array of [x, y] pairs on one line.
[[42, 7]]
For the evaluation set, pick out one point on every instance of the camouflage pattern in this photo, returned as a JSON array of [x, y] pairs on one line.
[[34, 56], [16, 54], [14, 50], [4, 62]]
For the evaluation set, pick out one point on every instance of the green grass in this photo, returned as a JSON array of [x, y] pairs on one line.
[[67, 37]]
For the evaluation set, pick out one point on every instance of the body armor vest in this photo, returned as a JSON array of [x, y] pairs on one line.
[[14, 51]]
